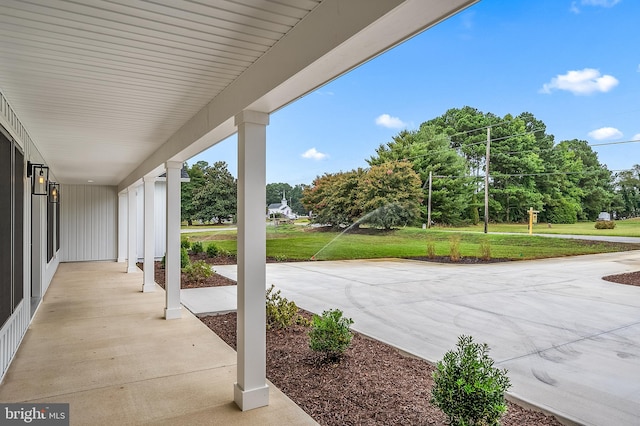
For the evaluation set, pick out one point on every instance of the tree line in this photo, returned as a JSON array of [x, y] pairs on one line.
[[564, 181]]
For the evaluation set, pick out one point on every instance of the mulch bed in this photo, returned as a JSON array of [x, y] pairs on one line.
[[630, 278], [373, 384]]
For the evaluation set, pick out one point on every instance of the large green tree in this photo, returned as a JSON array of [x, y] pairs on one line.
[[628, 193], [429, 151], [188, 189], [333, 198], [390, 195], [217, 198], [595, 180]]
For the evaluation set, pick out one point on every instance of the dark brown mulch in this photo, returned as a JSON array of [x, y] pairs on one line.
[[374, 384], [630, 278]]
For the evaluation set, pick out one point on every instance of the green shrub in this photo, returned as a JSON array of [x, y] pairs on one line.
[[280, 257], [330, 334], [212, 250], [467, 387], [485, 249], [196, 247], [184, 258], [605, 224], [198, 271], [454, 248], [184, 243], [281, 313], [163, 261], [431, 248]]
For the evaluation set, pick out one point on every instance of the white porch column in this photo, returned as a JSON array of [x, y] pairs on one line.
[[251, 390], [149, 283], [122, 227], [172, 260], [132, 230]]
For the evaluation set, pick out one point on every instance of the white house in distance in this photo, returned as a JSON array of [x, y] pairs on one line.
[[100, 98], [281, 208]]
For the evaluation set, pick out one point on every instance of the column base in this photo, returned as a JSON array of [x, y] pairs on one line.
[[133, 269], [122, 259], [148, 288], [250, 399], [172, 313]]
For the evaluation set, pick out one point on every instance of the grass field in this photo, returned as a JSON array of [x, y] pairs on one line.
[[298, 242], [624, 228]]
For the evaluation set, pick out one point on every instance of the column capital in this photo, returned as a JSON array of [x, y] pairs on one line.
[[146, 179], [173, 164], [255, 117]]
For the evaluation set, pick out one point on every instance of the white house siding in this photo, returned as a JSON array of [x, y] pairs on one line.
[[14, 329], [89, 222]]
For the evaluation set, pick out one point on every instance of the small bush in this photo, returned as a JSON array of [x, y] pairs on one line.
[[198, 271], [280, 257], [163, 261], [196, 247], [605, 224], [454, 248], [485, 249], [184, 258], [212, 250], [431, 248], [281, 313], [467, 387], [184, 243], [330, 334]]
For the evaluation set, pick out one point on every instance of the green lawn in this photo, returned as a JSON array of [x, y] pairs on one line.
[[297, 242], [624, 228]]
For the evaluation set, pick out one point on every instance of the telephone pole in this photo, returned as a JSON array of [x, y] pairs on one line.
[[429, 202], [486, 182]]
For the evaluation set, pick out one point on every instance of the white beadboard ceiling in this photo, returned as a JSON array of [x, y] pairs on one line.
[[102, 85]]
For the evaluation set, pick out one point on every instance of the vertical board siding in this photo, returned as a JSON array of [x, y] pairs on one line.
[[89, 222]]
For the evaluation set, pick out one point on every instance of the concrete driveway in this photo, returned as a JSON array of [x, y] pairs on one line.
[[570, 340]]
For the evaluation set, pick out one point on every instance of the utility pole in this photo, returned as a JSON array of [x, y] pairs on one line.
[[429, 202], [486, 183]]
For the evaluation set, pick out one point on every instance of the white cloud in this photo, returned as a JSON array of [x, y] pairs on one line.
[[582, 82], [314, 154], [603, 3], [385, 120], [636, 137], [605, 133], [598, 3]]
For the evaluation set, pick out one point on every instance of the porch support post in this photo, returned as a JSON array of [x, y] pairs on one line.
[[149, 283], [251, 390], [122, 227], [132, 230], [172, 260]]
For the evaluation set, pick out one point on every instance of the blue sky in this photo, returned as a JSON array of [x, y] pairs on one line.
[[574, 64]]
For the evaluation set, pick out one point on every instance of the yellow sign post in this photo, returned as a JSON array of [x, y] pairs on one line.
[[532, 214]]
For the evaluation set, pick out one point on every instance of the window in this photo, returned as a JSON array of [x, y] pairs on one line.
[[11, 226]]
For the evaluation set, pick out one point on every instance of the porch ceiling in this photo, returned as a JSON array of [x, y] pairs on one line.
[[110, 89]]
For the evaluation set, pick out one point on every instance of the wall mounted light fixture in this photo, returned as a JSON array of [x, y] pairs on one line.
[[54, 192], [39, 174]]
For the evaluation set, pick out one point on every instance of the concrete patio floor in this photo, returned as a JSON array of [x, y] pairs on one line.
[[100, 344]]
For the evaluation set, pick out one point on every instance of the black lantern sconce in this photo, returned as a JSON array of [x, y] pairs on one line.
[[39, 174], [54, 193]]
